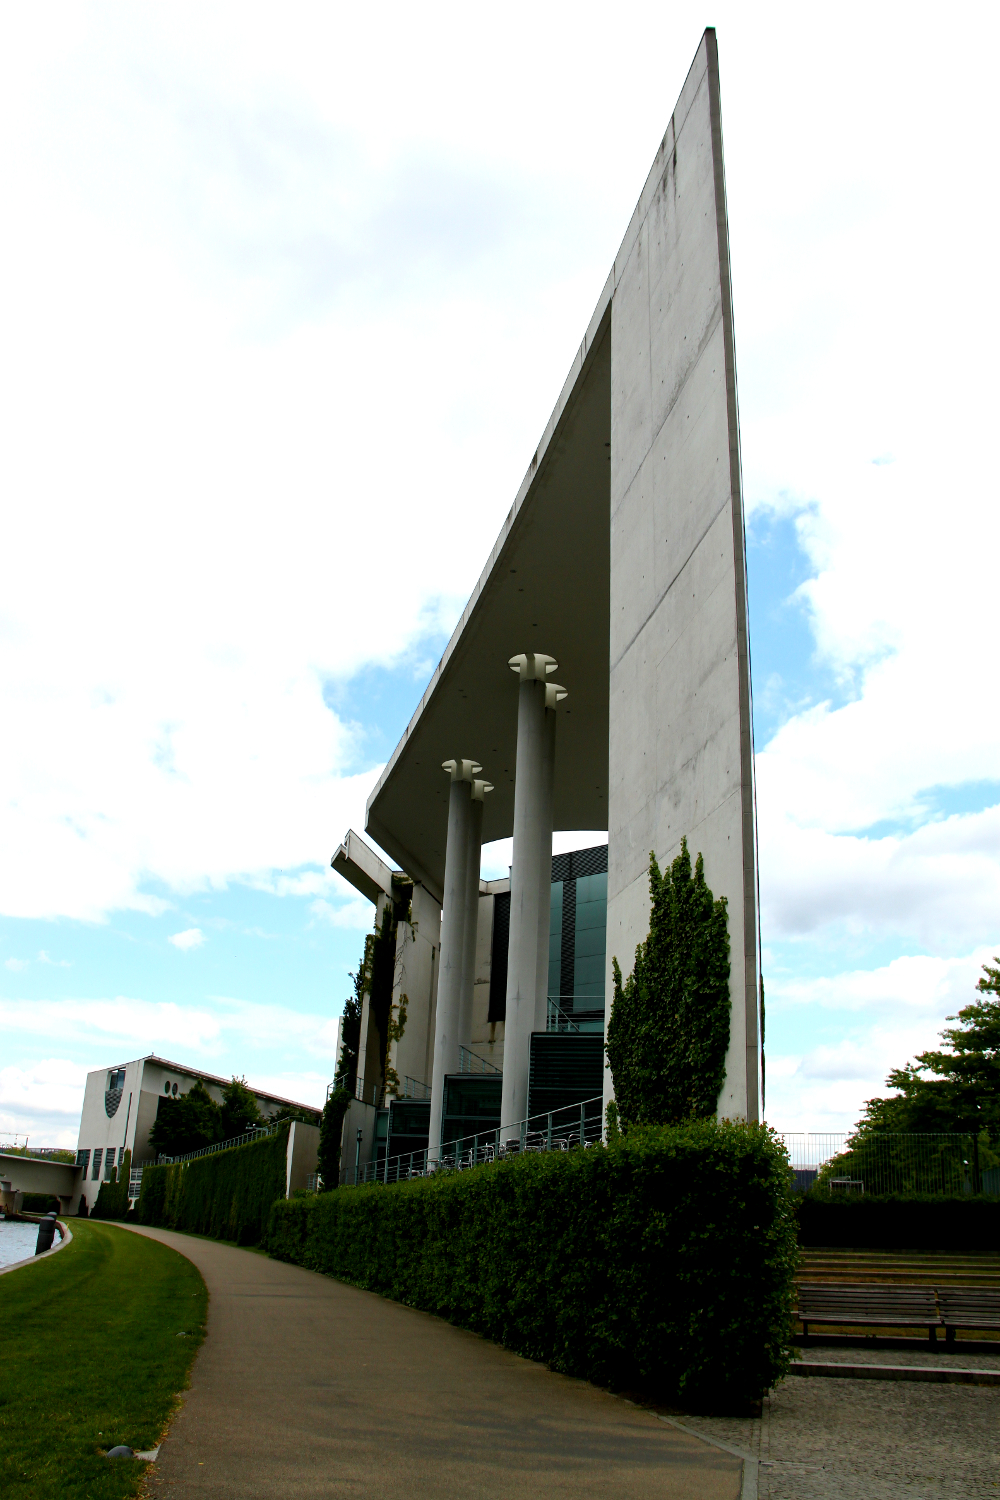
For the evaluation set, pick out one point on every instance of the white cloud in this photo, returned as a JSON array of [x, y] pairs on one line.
[[53, 963], [16, 964], [43, 1099], [357, 915], [913, 985], [889, 1014], [192, 937], [939, 885]]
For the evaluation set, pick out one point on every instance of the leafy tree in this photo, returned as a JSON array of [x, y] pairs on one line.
[[954, 1092], [186, 1123], [669, 1027], [331, 1133], [350, 1032], [239, 1109]]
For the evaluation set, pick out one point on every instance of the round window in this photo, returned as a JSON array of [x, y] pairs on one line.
[[166, 1088], [174, 1089]]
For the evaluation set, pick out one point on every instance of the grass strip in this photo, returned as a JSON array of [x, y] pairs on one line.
[[92, 1357]]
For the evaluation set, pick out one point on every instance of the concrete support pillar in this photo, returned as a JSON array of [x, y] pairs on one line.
[[453, 921], [530, 880], [553, 694], [471, 929]]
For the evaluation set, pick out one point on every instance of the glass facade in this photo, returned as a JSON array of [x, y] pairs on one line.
[[578, 940]]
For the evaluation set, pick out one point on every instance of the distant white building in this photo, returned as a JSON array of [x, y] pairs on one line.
[[120, 1105]]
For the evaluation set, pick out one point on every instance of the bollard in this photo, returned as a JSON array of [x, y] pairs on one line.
[[46, 1233]]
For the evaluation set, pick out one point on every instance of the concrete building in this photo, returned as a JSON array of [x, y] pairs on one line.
[[21, 1175], [120, 1105], [620, 570]]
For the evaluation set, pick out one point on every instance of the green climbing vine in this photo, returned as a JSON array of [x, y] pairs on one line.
[[669, 1026]]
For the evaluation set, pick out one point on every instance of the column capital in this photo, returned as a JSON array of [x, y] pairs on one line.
[[480, 789], [462, 770], [533, 666], [554, 694]]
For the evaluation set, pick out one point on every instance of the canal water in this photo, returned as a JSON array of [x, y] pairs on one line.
[[17, 1241]]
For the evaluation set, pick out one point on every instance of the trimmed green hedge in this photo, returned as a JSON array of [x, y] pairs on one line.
[[227, 1195], [39, 1203], [895, 1222], [665, 1259]]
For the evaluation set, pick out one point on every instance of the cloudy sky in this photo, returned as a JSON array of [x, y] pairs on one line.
[[287, 296]]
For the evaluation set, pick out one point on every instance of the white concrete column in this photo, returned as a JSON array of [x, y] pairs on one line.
[[553, 694], [449, 992], [530, 875], [470, 935]]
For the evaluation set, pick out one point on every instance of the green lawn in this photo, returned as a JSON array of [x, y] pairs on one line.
[[92, 1357]]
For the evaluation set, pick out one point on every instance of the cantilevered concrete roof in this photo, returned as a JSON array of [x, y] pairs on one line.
[[546, 587]]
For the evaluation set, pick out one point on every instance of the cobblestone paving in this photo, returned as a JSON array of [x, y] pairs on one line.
[[871, 1440]]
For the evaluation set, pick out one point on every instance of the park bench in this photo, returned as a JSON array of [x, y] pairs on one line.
[[870, 1305], [968, 1307]]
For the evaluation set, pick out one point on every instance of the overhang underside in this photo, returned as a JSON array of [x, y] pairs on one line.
[[546, 588]]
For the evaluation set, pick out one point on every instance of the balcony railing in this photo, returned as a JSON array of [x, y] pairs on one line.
[[254, 1134], [574, 1126], [471, 1062]]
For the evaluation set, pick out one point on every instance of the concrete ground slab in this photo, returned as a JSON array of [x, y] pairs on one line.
[[308, 1387]]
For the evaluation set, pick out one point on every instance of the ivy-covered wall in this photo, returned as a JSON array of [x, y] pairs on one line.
[[664, 1259], [227, 1195]]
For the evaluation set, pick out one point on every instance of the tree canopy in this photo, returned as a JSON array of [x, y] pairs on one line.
[[669, 1028], [953, 1090]]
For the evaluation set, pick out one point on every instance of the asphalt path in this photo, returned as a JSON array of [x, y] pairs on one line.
[[307, 1387]]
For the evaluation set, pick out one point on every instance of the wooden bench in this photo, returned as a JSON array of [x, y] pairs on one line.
[[968, 1307], [870, 1305]]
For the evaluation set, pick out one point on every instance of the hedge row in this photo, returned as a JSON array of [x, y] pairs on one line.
[[112, 1195], [227, 1195], [665, 1259], [894, 1222]]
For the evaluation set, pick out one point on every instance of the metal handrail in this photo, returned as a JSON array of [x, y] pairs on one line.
[[467, 1060], [556, 1130], [413, 1088], [253, 1134], [362, 1090]]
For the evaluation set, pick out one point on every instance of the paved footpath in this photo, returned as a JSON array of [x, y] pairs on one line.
[[308, 1387]]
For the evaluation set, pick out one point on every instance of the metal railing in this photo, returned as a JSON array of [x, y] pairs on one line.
[[471, 1062], [414, 1089], [575, 1125], [253, 1134], [835, 1163], [365, 1093], [556, 1018]]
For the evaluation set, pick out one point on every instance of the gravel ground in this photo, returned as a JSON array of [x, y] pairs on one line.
[[923, 1356], [820, 1439]]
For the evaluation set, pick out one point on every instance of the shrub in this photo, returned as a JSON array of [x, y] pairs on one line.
[[895, 1222], [39, 1203], [664, 1259], [227, 1195], [112, 1197], [331, 1133], [669, 1027]]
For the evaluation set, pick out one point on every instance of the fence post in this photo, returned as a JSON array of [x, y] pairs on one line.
[[357, 1157], [548, 1134], [583, 1126], [524, 1134]]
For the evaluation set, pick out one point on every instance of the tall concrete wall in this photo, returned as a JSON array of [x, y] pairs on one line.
[[680, 731]]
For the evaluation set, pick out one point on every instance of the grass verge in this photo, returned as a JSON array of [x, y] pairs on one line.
[[91, 1358]]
